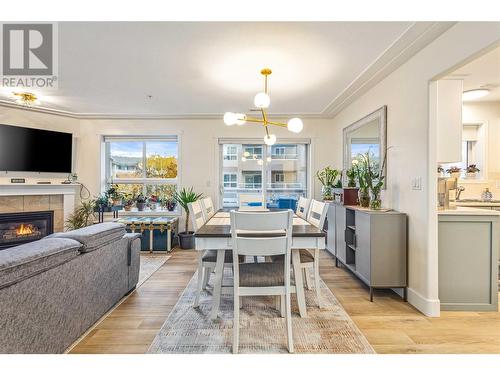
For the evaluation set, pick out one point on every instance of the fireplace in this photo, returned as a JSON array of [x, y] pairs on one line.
[[22, 227]]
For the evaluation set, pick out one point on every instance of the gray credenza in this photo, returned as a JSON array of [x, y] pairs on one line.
[[371, 244]]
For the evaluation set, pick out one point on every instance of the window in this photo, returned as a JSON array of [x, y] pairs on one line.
[[142, 165], [230, 152], [279, 172], [230, 180], [473, 151]]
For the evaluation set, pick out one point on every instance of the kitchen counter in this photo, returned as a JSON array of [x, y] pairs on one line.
[[478, 204], [466, 211]]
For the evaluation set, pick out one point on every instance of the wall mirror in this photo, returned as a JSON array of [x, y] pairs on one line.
[[366, 135]]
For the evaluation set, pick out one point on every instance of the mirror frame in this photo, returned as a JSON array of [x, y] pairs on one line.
[[381, 115]]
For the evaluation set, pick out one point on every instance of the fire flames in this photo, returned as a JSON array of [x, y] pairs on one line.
[[24, 230]]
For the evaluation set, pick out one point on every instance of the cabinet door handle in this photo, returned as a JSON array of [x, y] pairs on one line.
[[355, 241]]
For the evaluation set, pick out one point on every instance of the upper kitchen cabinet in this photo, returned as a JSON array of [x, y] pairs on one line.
[[446, 116]]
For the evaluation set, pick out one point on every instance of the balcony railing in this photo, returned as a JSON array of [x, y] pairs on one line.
[[270, 186], [284, 156]]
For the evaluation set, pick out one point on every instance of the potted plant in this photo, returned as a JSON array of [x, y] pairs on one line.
[[140, 202], [83, 216], [454, 172], [170, 203], [153, 202], [128, 202], [184, 197], [364, 188], [329, 178], [115, 195], [350, 193], [102, 203], [472, 171]]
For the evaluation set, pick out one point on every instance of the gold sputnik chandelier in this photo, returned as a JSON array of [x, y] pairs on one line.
[[262, 101]]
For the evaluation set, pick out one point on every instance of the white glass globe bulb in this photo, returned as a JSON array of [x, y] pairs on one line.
[[230, 118], [243, 158], [262, 100], [295, 125], [260, 162], [270, 139], [240, 118]]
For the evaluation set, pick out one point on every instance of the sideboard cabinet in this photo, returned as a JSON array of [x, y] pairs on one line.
[[371, 244]]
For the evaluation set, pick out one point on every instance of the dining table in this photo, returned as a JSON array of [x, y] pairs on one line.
[[215, 234]]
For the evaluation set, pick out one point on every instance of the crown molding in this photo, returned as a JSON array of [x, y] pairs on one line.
[[416, 37]]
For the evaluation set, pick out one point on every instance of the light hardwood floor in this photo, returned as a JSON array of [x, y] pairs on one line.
[[389, 324]]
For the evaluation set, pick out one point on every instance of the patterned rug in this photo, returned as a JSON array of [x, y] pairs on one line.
[[149, 265], [262, 330]]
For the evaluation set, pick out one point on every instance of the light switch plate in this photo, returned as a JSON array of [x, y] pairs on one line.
[[416, 183]]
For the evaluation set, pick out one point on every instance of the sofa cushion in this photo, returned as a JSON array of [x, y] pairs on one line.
[[94, 236], [21, 262]]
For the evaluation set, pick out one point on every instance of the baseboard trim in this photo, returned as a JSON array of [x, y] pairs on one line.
[[429, 307]]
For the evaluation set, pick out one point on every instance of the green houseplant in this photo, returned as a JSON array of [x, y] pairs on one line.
[[140, 202], [83, 216], [184, 197], [472, 170], [329, 178]]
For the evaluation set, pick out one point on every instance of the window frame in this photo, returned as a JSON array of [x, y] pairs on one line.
[[144, 181]]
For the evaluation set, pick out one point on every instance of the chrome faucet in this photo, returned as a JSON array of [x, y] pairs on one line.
[[459, 192]]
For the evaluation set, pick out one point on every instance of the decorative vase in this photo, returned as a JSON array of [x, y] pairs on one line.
[[471, 174], [364, 198], [153, 206], [127, 208], [171, 206], [327, 193], [140, 206], [375, 201]]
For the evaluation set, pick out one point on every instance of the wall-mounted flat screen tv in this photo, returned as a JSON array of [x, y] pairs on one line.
[[35, 150]]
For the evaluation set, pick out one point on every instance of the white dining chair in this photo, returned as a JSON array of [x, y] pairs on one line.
[[208, 258], [208, 208], [252, 202], [309, 258], [303, 207], [262, 234]]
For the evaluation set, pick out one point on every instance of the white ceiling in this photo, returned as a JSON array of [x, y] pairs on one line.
[[207, 68], [483, 72]]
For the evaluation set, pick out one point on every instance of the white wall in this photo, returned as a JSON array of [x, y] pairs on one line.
[[406, 94], [489, 113], [198, 144]]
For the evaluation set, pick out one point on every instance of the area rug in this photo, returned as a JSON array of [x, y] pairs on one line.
[[149, 265], [262, 330]]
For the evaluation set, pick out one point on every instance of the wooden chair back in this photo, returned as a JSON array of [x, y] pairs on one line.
[[208, 208], [303, 207], [196, 213], [317, 213]]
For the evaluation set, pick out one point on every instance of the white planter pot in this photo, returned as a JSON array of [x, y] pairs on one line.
[[471, 174]]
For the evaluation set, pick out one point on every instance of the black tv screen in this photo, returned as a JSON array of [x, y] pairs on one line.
[[34, 150]]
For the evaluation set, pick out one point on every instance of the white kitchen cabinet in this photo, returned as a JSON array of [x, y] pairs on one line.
[[446, 116]]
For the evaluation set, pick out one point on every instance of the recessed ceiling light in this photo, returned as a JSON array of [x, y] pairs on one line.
[[474, 94]]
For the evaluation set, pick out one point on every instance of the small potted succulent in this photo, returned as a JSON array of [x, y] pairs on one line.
[[454, 172], [472, 170], [140, 202], [440, 171], [170, 204]]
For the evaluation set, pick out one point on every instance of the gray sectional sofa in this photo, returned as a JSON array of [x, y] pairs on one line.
[[54, 289]]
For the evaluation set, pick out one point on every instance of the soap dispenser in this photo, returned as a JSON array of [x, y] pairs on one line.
[[486, 195]]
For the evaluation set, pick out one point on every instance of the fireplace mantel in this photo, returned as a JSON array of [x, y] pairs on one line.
[[67, 191]]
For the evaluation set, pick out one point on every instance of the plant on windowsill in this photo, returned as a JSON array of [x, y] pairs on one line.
[[115, 195], [128, 201], [140, 202], [153, 202], [83, 216], [454, 172], [102, 203], [472, 170], [329, 178], [184, 197]]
